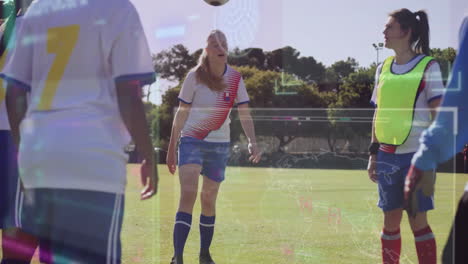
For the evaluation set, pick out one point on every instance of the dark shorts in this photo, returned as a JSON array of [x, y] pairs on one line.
[[76, 226], [11, 195], [455, 249], [212, 156], [391, 172]]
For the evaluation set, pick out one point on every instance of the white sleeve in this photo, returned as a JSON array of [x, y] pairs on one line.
[[18, 68], [376, 85], [242, 95], [188, 88], [130, 56], [434, 87]]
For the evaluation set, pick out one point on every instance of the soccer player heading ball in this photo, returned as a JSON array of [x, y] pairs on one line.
[[201, 123], [407, 92], [83, 68]]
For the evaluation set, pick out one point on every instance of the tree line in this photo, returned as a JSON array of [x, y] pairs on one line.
[[281, 78]]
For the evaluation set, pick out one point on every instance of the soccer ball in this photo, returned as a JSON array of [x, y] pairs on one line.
[[216, 2]]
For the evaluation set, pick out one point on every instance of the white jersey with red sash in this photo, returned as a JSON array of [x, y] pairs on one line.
[[209, 116]]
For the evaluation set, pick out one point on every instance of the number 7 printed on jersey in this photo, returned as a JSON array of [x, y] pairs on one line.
[[61, 41]]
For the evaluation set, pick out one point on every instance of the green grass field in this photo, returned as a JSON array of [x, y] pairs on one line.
[[275, 216]]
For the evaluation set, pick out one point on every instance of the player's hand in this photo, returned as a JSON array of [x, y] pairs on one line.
[[416, 180], [255, 153], [171, 160], [149, 179], [372, 168]]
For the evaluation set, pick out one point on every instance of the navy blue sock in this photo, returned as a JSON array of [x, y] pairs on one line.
[[181, 231], [207, 224]]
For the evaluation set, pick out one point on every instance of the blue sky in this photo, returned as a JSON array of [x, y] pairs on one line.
[[328, 30]]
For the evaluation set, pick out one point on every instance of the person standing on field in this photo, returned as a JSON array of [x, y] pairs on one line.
[[407, 92], [83, 76], [201, 123]]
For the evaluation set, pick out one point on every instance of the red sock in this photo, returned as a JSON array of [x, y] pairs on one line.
[[426, 246], [391, 246], [18, 245]]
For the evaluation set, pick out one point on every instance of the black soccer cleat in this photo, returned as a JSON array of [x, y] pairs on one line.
[[177, 260], [205, 258]]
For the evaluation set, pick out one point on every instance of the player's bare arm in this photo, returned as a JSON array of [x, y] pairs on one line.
[[249, 130], [133, 114], [372, 165], [16, 104], [180, 118]]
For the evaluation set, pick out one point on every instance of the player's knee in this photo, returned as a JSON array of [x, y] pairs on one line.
[[391, 226], [208, 198], [419, 222], [392, 220], [189, 189], [188, 195]]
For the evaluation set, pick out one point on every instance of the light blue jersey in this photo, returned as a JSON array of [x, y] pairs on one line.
[[449, 132]]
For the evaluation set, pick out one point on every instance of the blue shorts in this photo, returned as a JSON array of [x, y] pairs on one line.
[[391, 174], [212, 156], [10, 191], [76, 226]]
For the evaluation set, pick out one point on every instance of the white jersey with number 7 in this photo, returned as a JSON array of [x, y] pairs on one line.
[[68, 55]]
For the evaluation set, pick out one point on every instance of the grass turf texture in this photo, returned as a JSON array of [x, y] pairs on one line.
[[280, 216]]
